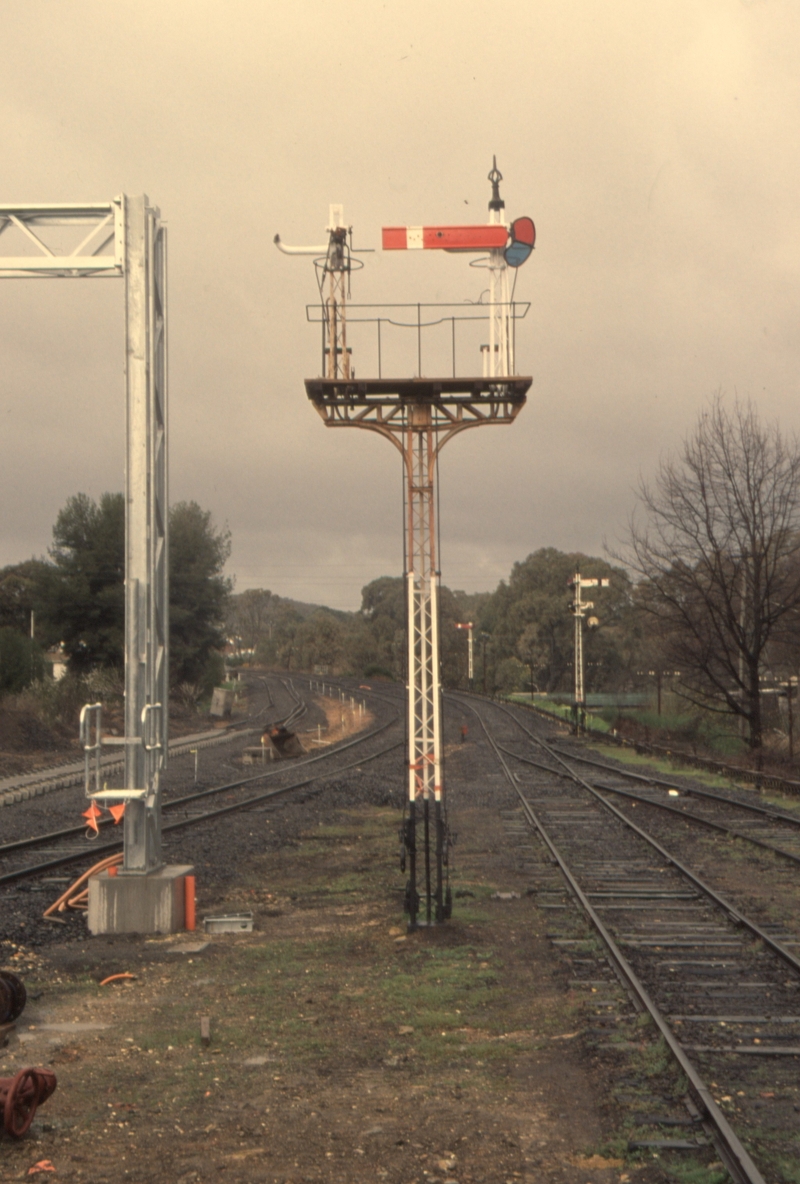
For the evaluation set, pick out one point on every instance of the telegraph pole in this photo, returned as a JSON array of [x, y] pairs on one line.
[[470, 666], [484, 640], [530, 673]]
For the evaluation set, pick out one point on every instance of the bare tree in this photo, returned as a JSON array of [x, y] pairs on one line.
[[715, 543]]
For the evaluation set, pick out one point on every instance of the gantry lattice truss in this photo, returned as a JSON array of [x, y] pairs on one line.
[[123, 238], [98, 233], [419, 416]]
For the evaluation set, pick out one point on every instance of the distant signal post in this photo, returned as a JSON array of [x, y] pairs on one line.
[[579, 608]]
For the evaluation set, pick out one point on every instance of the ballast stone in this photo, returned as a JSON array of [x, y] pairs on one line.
[[135, 903]]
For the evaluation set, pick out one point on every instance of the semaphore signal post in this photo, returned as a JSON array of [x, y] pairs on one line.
[[419, 414], [579, 607]]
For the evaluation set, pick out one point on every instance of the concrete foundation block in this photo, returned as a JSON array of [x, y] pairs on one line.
[[131, 903]]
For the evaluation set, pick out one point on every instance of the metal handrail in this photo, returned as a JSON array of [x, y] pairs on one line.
[[319, 314], [91, 736]]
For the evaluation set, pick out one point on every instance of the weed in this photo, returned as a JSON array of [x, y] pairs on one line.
[[689, 1171], [655, 1058], [790, 1170]]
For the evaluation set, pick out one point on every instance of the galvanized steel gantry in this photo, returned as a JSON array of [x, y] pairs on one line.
[[123, 238]]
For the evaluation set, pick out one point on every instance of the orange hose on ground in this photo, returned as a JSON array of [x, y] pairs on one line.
[[81, 901], [112, 978], [60, 904]]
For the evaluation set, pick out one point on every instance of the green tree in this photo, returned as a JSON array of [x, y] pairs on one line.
[[276, 645], [20, 660], [529, 620], [381, 641], [82, 591], [20, 593], [321, 640], [251, 616], [198, 590]]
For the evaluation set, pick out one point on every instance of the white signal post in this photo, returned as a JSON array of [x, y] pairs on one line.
[[419, 415], [335, 264], [579, 608], [498, 355], [470, 667], [501, 345]]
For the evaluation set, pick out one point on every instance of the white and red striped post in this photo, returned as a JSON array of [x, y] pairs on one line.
[[493, 237]]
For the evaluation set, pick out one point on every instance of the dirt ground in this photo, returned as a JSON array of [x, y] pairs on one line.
[[343, 1049]]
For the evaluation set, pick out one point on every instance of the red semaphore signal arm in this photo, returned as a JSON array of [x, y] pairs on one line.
[[447, 238]]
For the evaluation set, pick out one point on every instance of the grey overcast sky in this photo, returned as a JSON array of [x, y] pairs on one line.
[[655, 145]]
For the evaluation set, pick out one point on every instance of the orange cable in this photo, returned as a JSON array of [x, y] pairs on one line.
[[60, 904]]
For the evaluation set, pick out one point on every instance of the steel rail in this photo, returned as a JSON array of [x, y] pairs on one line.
[[692, 791], [677, 810], [105, 848], [69, 775], [771, 812], [57, 777], [35, 840], [171, 804], [734, 914], [760, 779], [732, 1151], [698, 818]]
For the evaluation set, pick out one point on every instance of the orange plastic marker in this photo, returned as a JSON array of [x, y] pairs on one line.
[[190, 918]]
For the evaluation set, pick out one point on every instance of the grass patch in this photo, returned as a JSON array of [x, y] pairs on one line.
[[690, 1171], [594, 722], [790, 1170], [628, 756]]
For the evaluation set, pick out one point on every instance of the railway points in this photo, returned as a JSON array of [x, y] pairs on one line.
[[329, 1040], [764, 826], [670, 957]]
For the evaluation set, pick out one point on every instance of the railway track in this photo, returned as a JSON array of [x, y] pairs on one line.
[[69, 844], [24, 787], [765, 826], [653, 942]]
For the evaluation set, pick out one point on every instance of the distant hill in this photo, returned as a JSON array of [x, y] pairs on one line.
[[307, 610]]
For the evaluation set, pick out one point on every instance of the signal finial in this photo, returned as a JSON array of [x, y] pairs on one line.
[[495, 176]]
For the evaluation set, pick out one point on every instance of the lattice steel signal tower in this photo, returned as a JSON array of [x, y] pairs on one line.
[[419, 415], [333, 264]]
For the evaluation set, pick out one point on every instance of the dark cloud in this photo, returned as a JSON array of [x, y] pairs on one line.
[[654, 145]]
